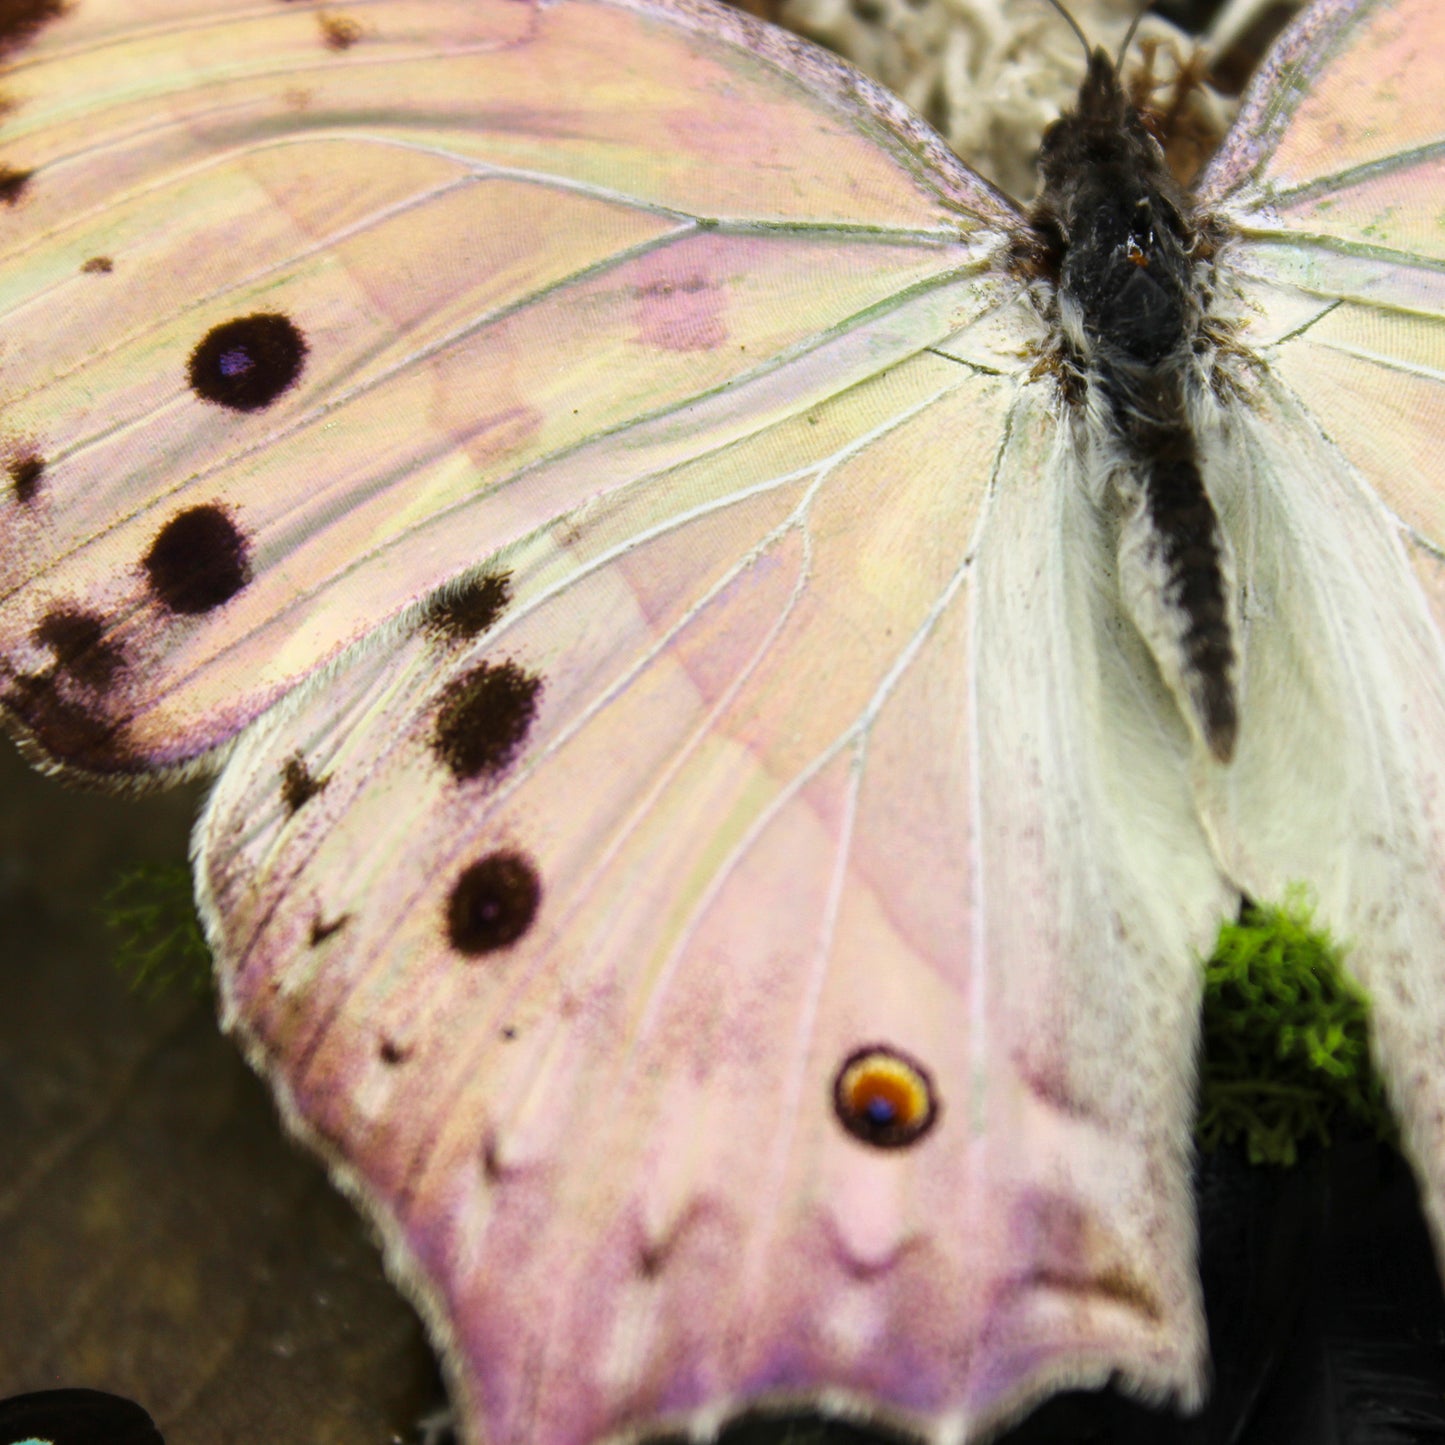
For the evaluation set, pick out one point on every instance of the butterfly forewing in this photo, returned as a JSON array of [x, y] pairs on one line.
[[1349, 87], [1337, 189], [336, 340]]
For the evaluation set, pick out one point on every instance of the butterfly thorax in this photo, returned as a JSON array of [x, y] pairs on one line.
[[1118, 244]]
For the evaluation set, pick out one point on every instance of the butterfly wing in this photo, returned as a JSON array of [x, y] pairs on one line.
[[569, 1003], [1332, 479], [298, 329], [717, 938]]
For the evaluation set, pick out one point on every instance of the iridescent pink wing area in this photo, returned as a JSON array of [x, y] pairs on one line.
[[689, 850], [567, 435], [715, 994], [306, 314], [1334, 182]]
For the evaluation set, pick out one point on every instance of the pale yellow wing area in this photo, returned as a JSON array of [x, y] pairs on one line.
[[1330, 477], [559, 940], [305, 315]]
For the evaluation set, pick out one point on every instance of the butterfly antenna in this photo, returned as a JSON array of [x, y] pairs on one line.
[[1128, 39], [1075, 27]]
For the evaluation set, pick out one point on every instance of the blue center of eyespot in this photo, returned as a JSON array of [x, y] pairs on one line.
[[33, 1440], [880, 1111], [233, 363]]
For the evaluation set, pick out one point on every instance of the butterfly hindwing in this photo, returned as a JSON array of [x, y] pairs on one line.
[[573, 1021], [1330, 470]]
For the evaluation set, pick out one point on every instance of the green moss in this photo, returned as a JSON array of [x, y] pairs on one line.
[[159, 943], [1286, 1052]]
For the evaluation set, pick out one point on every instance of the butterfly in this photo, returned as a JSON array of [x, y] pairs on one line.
[[744, 669]]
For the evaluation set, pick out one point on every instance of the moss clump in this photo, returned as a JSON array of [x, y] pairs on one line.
[[159, 944], [1286, 1049]]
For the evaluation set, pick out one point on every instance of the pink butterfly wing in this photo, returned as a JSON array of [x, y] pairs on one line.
[[773, 729], [1336, 182], [441, 260], [1334, 177], [748, 830]]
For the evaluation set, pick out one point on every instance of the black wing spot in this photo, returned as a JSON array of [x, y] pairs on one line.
[[13, 184], [98, 266], [321, 929], [484, 717], [884, 1098], [25, 470], [468, 611], [392, 1053], [20, 19], [298, 785], [493, 903], [198, 561], [78, 640], [492, 1167], [246, 363], [82, 736]]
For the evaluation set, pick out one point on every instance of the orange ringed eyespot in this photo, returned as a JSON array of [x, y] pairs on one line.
[[884, 1098]]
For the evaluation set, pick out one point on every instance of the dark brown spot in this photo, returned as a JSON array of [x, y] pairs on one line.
[[298, 787], [492, 1168], [78, 640], [246, 363], [26, 469], [1048, 1080], [650, 1260], [321, 929], [338, 32], [13, 184], [1069, 1252], [392, 1053], [509, 1033], [20, 19], [70, 732], [655, 1253], [198, 561], [1114, 1284], [884, 1098], [98, 266], [493, 903], [469, 610], [484, 717]]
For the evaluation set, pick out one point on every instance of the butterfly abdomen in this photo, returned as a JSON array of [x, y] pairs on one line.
[[1120, 250]]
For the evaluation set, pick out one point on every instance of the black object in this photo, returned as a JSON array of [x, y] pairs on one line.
[[75, 1417]]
